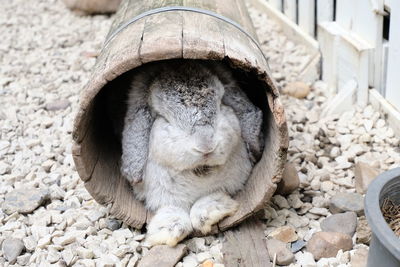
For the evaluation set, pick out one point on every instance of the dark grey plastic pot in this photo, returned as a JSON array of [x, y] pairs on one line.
[[384, 249]]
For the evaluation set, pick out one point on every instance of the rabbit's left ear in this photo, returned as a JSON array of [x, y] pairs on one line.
[[250, 117]]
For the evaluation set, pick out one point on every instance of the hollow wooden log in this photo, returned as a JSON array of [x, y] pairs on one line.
[[214, 30]]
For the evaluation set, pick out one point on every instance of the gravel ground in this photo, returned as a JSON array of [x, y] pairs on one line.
[[46, 55]]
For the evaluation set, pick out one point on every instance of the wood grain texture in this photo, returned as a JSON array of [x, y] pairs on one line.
[[159, 42], [163, 256], [163, 36], [245, 246]]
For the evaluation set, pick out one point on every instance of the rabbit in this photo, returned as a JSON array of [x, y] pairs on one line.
[[190, 140]]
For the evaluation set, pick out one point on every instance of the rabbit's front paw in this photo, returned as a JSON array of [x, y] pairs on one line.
[[210, 209], [169, 226]]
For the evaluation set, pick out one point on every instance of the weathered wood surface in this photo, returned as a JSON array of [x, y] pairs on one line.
[[245, 246], [163, 256], [163, 36]]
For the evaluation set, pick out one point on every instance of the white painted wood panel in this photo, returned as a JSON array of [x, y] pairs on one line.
[[345, 10], [324, 10], [393, 73], [277, 4], [290, 9], [306, 15]]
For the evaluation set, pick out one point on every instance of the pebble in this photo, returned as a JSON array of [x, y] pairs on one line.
[[207, 263], [294, 201], [363, 231], [298, 245], [190, 261], [113, 224], [283, 255], [327, 244], [345, 223], [24, 200], [24, 259], [202, 256], [285, 234], [305, 259], [290, 180], [58, 105], [280, 201], [69, 256], [196, 244], [12, 248], [297, 89], [364, 174], [4, 168], [359, 258], [342, 202]]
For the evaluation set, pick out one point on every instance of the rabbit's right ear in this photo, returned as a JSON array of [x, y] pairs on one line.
[[136, 133]]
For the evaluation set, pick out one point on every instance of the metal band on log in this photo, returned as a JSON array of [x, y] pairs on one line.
[[176, 34]]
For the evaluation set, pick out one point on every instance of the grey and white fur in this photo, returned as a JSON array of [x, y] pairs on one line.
[[191, 137]]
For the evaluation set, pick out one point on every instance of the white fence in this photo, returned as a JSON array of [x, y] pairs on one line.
[[359, 41]]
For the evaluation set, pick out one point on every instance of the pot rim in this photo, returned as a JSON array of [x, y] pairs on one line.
[[374, 214]]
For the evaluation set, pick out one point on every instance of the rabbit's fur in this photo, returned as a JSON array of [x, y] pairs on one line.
[[190, 140]]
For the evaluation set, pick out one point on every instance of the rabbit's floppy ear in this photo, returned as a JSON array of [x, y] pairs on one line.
[[136, 133], [250, 117]]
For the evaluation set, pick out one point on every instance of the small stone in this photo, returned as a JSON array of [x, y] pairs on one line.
[[345, 223], [298, 245], [202, 256], [319, 211], [66, 239], [190, 261], [285, 234], [326, 186], [283, 255], [196, 244], [294, 201], [113, 224], [95, 215], [90, 263], [305, 259], [290, 180], [85, 253], [363, 231], [297, 89], [53, 256], [216, 252], [24, 259], [44, 241], [4, 168], [207, 263], [335, 152], [280, 201], [30, 243], [24, 200], [327, 244], [68, 257], [47, 165], [359, 258], [12, 248], [58, 105], [342, 202], [364, 174]]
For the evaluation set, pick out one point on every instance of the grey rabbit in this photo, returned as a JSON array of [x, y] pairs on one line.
[[191, 137]]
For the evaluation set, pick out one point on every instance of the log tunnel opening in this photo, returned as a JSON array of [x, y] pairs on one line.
[[102, 145], [110, 106]]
